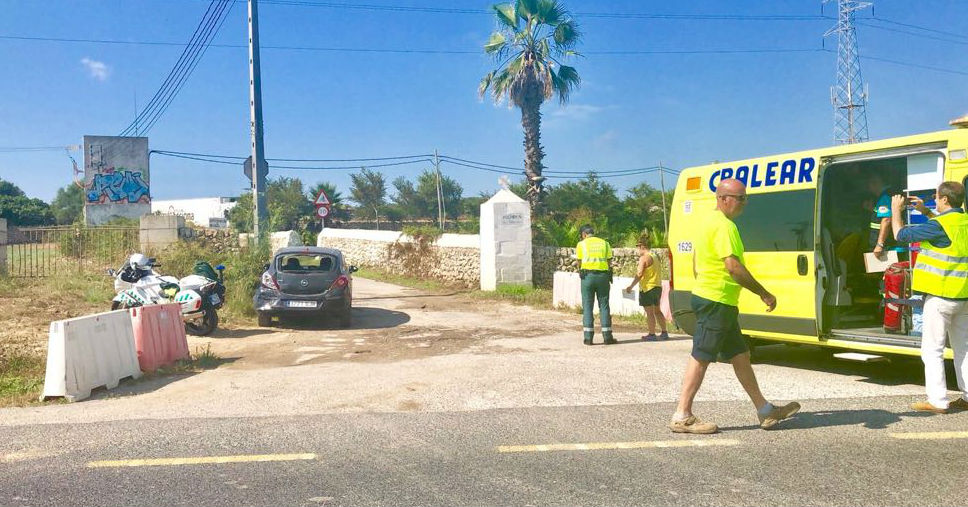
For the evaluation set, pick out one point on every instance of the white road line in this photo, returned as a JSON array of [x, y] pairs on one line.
[[597, 446]]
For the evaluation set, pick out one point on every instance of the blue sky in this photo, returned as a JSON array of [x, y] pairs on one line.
[[631, 111]]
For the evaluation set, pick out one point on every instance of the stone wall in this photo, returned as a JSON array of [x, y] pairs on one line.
[[548, 259], [452, 258]]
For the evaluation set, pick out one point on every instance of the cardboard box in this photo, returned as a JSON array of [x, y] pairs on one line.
[[873, 264]]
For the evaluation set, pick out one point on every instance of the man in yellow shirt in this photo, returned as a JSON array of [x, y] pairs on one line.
[[595, 269], [720, 276]]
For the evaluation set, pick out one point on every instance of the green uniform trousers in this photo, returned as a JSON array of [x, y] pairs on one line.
[[595, 284]]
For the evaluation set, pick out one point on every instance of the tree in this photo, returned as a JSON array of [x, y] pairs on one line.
[[420, 200], [288, 207], [9, 189], [21, 210], [534, 36], [369, 190], [337, 208], [68, 204]]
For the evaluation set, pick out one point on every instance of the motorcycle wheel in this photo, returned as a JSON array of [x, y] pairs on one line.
[[208, 323]]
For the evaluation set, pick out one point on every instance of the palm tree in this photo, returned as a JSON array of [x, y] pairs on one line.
[[533, 37]]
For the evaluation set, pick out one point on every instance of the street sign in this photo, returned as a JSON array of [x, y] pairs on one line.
[[322, 211], [322, 199], [247, 167]]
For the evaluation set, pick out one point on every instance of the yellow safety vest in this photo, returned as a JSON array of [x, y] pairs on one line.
[[943, 272], [593, 253]]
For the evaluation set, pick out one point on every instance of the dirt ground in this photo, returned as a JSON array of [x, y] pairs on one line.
[[390, 323]]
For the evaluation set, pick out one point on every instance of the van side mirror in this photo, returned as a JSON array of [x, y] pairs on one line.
[[354, 269]]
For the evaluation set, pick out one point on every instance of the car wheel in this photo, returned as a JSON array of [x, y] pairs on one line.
[[265, 320], [346, 318]]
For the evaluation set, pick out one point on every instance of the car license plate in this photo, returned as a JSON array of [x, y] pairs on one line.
[[215, 299], [301, 304]]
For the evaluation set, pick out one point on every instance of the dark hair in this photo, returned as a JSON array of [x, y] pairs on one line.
[[587, 229], [954, 191], [644, 240]]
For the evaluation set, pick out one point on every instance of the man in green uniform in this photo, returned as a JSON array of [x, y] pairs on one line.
[[720, 276], [595, 269]]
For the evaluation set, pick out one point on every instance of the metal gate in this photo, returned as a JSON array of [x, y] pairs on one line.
[[45, 251]]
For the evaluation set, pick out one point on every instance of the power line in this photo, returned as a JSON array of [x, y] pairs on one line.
[[919, 27], [909, 32], [407, 160], [209, 25], [194, 64]]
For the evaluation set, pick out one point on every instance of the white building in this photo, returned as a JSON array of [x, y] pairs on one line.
[[203, 211]]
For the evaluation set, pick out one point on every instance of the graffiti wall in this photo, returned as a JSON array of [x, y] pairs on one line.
[[116, 181]]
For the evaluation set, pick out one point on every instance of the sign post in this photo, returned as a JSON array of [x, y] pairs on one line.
[[322, 204]]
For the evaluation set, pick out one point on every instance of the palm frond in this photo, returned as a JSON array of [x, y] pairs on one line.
[[526, 8], [567, 34], [485, 83], [550, 12], [506, 15], [495, 43]]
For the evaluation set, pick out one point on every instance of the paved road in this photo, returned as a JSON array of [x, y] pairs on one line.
[[833, 454], [503, 406]]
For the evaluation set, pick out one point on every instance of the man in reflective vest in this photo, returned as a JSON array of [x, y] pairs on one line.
[[941, 274], [595, 269]]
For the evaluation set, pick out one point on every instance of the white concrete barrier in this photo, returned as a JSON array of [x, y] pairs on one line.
[[88, 352], [566, 293]]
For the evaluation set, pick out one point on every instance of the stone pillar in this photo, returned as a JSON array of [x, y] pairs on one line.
[[505, 241], [3, 246], [159, 231]]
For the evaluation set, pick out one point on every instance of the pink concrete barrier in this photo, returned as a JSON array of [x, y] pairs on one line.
[[159, 335]]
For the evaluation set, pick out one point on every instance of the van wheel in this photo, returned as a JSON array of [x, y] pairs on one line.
[[265, 320]]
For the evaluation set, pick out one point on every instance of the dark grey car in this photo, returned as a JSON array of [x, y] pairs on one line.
[[306, 280]]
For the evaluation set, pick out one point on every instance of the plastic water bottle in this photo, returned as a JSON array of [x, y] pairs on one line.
[[916, 317]]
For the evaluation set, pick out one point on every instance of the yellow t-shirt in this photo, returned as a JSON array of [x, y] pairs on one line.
[[716, 239], [650, 277]]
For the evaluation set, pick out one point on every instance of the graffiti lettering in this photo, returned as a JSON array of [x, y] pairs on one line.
[[117, 186]]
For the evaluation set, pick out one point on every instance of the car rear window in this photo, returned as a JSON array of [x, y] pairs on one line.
[[301, 263]]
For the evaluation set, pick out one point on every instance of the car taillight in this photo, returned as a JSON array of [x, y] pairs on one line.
[[340, 282], [269, 281]]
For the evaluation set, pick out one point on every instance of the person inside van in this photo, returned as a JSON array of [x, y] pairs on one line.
[[881, 237]]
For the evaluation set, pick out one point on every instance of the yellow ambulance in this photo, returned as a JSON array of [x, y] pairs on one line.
[[805, 229]]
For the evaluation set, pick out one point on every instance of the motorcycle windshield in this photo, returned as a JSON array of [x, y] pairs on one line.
[[305, 274]]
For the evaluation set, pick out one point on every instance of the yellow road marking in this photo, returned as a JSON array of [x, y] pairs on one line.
[[936, 435], [199, 460], [596, 446]]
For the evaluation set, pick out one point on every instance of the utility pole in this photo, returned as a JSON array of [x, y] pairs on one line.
[[255, 108], [849, 96], [440, 192], [665, 219]]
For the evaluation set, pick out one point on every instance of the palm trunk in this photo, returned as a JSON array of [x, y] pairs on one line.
[[533, 153]]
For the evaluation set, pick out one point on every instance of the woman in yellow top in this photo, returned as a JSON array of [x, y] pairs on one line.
[[650, 289]]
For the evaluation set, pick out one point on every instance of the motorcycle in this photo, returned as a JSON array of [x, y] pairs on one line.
[[200, 294]]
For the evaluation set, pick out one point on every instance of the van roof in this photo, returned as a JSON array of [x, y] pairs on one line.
[[868, 146]]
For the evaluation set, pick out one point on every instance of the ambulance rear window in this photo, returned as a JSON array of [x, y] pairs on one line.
[[778, 222]]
